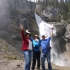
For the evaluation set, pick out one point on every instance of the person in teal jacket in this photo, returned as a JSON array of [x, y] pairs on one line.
[[36, 52]]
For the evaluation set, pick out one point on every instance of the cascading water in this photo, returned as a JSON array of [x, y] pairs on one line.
[[44, 29]]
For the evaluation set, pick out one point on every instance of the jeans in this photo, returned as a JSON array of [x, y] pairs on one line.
[[28, 58], [47, 56], [36, 56]]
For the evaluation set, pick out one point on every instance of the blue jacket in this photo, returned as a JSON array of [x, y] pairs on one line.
[[36, 46], [45, 44]]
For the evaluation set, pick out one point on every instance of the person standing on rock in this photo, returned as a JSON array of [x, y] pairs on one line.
[[45, 45], [36, 52], [26, 47]]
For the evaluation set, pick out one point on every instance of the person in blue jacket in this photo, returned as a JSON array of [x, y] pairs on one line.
[[45, 46], [36, 52]]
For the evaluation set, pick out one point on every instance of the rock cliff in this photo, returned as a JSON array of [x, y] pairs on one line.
[[14, 12]]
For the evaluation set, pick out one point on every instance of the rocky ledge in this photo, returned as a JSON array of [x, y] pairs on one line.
[[9, 52]]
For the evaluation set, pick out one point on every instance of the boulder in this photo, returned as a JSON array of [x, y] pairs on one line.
[[51, 13]]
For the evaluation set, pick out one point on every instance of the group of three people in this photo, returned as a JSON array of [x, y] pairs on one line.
[[33, 46]]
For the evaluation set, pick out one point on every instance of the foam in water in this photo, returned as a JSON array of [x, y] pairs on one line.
[[44, 29]]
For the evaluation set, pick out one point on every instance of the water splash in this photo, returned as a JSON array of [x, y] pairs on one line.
[[44, 29]]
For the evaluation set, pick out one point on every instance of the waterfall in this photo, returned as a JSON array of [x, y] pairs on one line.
[[44, 29]]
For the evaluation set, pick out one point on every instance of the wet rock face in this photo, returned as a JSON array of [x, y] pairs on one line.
[[58, 40], [67, 37], [67, 34], [14, 12], [60, 29], [62, 37]]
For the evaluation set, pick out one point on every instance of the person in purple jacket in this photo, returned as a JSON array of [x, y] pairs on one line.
[[45, 45]]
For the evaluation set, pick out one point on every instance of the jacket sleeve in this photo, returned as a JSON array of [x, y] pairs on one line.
[[31, 39], [22, 34], [48, 40], [40, 42]]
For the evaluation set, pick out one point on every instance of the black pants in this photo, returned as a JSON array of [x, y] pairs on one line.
[[36, 56]]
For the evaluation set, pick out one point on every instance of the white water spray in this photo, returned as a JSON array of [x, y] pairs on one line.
[[44, 29]]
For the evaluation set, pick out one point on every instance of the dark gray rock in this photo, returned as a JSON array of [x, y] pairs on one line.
[[67, 34], [59, 40], [51, 13]]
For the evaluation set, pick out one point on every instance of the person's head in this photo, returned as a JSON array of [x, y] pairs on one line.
[[27, 34], [36, 37], [43, 37]]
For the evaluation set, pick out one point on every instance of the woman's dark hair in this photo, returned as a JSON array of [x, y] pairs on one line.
[[26, 34], [37, 37]]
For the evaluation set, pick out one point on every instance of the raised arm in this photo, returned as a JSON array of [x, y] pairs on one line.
[[22, 32], [21, 27], [52, 32]]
